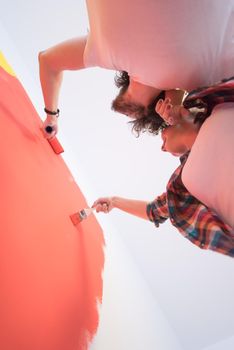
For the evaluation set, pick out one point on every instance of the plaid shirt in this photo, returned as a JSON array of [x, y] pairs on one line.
[[193, 219], [209, 96]]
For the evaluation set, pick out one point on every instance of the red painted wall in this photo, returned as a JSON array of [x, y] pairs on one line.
[[50, 270]]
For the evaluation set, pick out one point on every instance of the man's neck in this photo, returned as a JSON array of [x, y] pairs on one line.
[[140, 93]]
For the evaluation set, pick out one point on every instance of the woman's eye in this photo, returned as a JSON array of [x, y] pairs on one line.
[[164, 125]]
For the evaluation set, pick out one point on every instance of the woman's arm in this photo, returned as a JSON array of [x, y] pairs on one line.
[[131, 206]]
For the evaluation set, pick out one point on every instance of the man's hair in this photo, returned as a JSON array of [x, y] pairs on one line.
[[147, 120]]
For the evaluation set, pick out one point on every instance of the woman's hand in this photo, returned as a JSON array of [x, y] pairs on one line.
[[105, 204], [171, 114], [130, 206]]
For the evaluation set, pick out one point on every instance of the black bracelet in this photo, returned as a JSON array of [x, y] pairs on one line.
[[52, 112]]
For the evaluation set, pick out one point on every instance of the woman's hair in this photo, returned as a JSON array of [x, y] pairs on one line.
[[147, 120]]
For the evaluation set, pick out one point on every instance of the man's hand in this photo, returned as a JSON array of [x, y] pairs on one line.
[[105, 204], [50, 127], [171, 114]]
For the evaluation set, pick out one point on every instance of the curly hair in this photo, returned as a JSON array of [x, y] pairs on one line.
[[147, 120]]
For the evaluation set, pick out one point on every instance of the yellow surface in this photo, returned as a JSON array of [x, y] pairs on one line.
[[5, 65]]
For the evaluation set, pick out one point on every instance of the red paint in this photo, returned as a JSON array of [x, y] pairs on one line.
[[50, 271], [56, 146]]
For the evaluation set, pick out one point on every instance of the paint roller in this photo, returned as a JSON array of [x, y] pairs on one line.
[[56, 146]]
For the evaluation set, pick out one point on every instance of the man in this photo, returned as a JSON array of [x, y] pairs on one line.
[[194, 220], [158, 45]]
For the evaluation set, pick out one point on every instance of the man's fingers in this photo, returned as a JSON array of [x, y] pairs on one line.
[[50, 127], [164, 108], [158, 105]]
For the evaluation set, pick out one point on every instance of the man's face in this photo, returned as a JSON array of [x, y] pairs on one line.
[[140, 94], [135, 100]]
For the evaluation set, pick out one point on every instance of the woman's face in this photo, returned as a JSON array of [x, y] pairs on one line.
[[174, 139]]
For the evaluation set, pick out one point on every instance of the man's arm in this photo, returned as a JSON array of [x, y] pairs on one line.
[[67, 55], [176, 96]]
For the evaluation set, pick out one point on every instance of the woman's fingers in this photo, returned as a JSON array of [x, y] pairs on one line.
[[103, 205]]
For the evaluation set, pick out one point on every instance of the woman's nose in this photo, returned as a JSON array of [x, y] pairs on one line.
[[163, 145]]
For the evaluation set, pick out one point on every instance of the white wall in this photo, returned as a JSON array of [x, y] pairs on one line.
[[130, 316], [225, 344]]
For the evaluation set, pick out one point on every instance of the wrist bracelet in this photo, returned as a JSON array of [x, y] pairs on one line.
[[52, 112]]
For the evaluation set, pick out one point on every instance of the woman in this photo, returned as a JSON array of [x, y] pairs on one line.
[[192, 218]]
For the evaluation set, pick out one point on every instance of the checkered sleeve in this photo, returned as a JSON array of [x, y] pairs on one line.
[[157, 210], [214, 233], [207, 97]]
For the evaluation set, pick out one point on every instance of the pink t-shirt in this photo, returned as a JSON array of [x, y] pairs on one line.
[[209, 171], [163, 43]]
